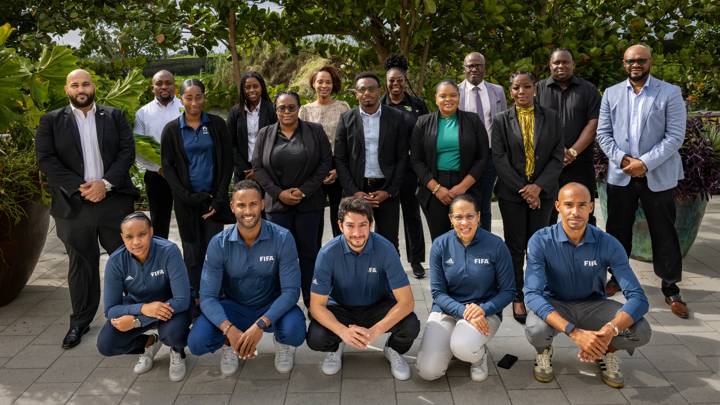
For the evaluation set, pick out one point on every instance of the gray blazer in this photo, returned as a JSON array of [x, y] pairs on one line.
[[496, 93], [664, 119]]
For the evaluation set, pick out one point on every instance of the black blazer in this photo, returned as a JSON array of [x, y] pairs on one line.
[[392, 150], [319, 163], [508, 153], [237, 128], [189, 204], [473, 140], [59, 155]]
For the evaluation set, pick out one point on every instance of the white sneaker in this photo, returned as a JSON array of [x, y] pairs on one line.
[[145, 360], [228, 361], [398, 366], [177, 369], [284, 357], [610, 367], [543, 371], [479, 370], [333, 361]]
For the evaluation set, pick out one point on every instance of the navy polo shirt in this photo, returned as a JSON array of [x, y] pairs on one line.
[[358, 279], [264, 275], [558, 269], [129, 284], [200, 151], [480, 273]]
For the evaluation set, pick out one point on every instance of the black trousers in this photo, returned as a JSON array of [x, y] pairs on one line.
[[80, 235], [519, 224], [659, 207], [194, 252], [412, 223], [582, 172], [173, 333], [303, 227], [402, 335], [160, 200], [486, 184], [387, 215], [333, 192]]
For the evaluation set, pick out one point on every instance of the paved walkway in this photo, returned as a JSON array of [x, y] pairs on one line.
[[680, 365]]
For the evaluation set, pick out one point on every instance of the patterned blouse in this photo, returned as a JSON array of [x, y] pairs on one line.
[[326, 115]]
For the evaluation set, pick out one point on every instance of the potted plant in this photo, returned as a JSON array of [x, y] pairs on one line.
[[29, 89], [700, 155]]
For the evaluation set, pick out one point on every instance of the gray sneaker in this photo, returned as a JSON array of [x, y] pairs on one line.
[[177, 369], [610, 370], [146, 359], [543, 370], [229, 362], [333, 361], [284, 357]]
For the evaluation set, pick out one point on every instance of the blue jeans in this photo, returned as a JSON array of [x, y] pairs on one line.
[[173, 333], [205, 337], [486, 185]]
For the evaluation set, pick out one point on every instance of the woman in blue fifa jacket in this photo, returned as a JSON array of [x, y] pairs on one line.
[[147, 297], [472, 280]]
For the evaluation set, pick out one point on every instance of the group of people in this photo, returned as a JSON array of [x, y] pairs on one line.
[[288, 160]]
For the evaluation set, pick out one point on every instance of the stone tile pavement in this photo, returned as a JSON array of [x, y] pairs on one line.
[[680, 365]]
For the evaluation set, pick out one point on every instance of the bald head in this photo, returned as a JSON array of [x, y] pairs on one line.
[[163, 86], [574, 204], [637, 62], [474, 64], [80, 89]]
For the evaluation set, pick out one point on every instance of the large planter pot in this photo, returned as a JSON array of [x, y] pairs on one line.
[[20, 248], [688, 218]]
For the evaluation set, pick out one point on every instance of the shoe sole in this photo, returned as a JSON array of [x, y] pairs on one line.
[[611, 383], [544, 380]]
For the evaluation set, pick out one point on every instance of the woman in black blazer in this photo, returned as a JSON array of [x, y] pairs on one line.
[[291, 160], [253, 111], [197, 164], [449, 149], [526, 188]]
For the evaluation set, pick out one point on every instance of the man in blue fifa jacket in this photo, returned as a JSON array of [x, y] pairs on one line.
[[250, 284], [564, 291]]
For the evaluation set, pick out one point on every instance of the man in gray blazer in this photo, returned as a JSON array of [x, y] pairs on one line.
[[641, 128], [486, 99]]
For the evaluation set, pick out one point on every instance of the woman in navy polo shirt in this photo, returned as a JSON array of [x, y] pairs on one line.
[[146, 288], [472, 280]]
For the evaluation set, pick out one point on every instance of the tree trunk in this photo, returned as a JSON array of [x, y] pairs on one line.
[[423, 64], [232, 46]]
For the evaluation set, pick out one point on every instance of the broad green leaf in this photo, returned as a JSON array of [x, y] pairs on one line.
[[5, 31]]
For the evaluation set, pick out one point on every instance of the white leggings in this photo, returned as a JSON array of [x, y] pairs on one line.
[[446, 337]]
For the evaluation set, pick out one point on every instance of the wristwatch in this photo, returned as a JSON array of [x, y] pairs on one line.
[[573, 152], [261, 324], [136, 322], [569, 328], [108, 186]]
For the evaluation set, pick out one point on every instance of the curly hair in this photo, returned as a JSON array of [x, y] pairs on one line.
[[395, 61]]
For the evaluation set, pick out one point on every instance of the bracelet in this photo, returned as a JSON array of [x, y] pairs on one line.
[[437, 187], [615, 328], [227, 328]]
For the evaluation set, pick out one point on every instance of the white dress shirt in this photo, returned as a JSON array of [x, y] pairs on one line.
[[150, 120], [637, 103], [253, 121], [371, 130], [469, 103], [92, 159]]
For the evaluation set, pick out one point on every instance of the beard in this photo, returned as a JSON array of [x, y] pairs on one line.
[[89, 99], [165, 100], [639, 78]]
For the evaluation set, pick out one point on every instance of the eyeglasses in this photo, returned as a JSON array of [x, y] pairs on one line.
[[639, 62], [467, 217], [474, 66], [368, 89], [286, 108]]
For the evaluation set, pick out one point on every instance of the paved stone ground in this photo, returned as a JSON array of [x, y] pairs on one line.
[[680, 365]]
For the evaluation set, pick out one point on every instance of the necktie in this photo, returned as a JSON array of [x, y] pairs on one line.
[[526, 119], [478, 104]]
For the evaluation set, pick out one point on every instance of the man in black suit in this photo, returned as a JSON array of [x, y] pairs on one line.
[[86, 151], [371, 148]]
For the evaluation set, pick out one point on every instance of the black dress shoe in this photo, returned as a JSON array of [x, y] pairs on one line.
[[418, 270], [74, 336]]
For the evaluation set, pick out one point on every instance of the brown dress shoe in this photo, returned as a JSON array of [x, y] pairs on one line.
[[678, 306]]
